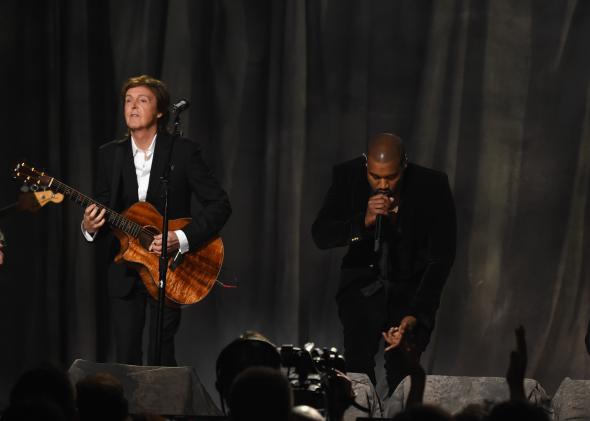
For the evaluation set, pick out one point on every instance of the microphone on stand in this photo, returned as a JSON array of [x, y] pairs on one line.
[[180, 105], [176, 108]]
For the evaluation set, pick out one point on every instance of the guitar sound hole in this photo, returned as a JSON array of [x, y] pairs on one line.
[[146, 236]]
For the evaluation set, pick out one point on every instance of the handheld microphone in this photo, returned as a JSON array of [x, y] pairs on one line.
[[180, 105], [379, 222], [378, 225]]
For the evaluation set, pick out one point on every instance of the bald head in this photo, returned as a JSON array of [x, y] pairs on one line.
[[385, 148], [385, 162]]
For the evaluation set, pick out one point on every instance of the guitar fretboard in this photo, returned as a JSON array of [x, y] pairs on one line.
[[115, 219]]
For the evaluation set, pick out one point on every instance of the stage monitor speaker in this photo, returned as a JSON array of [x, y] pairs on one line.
[[571, 400], [455, 393], [174, 391]]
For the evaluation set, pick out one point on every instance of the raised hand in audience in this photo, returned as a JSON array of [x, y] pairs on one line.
[[407, 324], [517, 367], [400, 339], [393, 337]]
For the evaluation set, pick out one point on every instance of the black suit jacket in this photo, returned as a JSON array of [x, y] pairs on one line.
[[189, 175], [426, 233]]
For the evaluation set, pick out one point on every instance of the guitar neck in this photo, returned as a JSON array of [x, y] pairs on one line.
[[7, 209], [113, 218]]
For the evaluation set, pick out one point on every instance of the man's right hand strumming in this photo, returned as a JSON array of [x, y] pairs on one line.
[[380, 204], [93, 219]]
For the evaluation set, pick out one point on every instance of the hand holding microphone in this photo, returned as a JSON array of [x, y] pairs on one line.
[[377, 209], [379, 204]]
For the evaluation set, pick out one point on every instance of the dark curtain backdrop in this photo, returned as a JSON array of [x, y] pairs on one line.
[[495, 93]]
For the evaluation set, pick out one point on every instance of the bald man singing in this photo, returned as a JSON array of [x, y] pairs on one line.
[[398, 221]]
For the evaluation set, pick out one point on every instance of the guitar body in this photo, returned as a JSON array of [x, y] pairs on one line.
[[191, 280]]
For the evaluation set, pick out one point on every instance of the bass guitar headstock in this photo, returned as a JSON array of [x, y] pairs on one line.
[[33, 201]]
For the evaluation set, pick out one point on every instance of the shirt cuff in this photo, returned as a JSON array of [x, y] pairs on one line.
[[182, 240], [89, 237]]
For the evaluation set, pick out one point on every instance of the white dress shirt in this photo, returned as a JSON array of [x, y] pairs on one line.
[[142, 159]]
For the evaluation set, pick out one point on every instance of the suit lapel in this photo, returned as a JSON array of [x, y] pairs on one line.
[[159, 163], [128, 171]]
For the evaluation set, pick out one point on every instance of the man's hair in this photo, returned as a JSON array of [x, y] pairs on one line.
[[101, 397], [159, 90], [46, 382], [35, 409], [251, 349], [423, 413], [260, 393], [517, 410]]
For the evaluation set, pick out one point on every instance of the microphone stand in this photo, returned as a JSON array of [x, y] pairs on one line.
[[164, 254]]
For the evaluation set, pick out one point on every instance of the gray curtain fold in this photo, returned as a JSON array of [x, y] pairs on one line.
[[496, 94]]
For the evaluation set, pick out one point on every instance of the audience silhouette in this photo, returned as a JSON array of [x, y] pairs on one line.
[[253, 387]]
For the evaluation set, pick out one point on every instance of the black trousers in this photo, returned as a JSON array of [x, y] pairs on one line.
[[129, 319], [365, 312]]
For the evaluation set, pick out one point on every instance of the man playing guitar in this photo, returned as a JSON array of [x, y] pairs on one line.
[[129, 171]]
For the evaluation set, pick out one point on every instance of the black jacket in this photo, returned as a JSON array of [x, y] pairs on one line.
[[426, 233], [190, 175]]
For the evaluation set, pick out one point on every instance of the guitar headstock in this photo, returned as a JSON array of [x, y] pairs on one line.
[[33, 201], [32, 177], [48, 196]]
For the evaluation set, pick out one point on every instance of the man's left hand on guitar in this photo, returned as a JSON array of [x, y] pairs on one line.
[[173, 243], [93, 218]]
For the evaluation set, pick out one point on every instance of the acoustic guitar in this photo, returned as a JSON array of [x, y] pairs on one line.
[[188, 280]]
